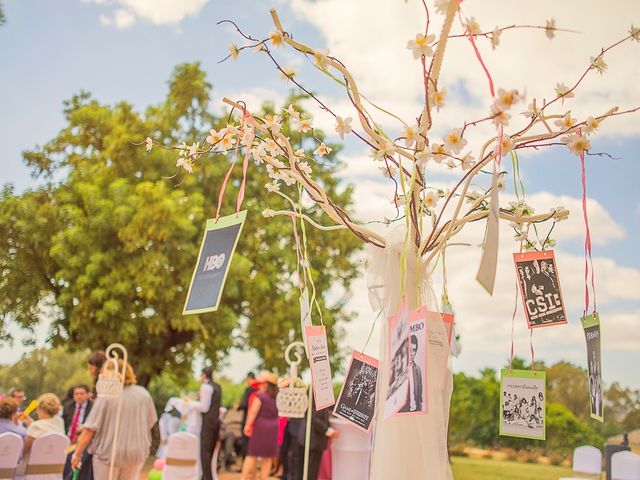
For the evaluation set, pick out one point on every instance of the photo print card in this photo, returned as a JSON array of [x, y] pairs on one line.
[[318, 354], [523, 404], [540, 288], [216, 250], [398, 355], [591, 326], [417, 398], [440, 330], [357, 400]]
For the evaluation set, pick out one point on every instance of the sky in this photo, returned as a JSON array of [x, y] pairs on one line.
[[126, 50]]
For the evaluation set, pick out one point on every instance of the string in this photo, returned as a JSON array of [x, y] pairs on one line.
[[245, 163], [513, 322], [375, 320], [223, 188], [475, 48], [533, 368], [588, 259], [306, 264]]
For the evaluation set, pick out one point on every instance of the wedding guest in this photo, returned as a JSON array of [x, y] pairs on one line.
[[74, 415], [9, 418], [48, 422], [210, 397], [262, 428], [137, 417], [320, 434], [248, 393], [94, 365]]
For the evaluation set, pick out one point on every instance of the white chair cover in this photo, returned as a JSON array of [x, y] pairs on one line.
[[625, 466], [409, 446], [587, 463], [10, 450], [47, 457], [183, 455]]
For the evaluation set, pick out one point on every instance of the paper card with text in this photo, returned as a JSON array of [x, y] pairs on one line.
[[540, 288], [591, 326], [417, 399], [523, 400], [357, 400], [318, 354], [398, 361], [218, 245]]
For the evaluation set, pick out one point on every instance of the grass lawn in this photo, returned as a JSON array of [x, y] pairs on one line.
[[481, 469]]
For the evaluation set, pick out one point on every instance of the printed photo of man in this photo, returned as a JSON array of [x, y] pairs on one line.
[[414, 374]]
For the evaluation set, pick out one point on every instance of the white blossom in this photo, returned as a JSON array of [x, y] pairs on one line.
[[505, 99], [550, 28], [185, 164], [453, 141], [430, 200], [567, 121], [591, 125], [597, 63], [304, 167], [421, 45], [577, 144], [234, 51], [322, 150], [343, 126], [276, 39], [148, 143], [563, 91], [495, 37]]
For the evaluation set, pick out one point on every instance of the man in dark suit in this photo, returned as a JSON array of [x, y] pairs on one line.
[[318, 440], [414, 393], [74, 414], [210, 398]]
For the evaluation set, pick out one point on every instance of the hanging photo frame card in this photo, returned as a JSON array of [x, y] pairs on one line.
[[398, 356], [417, 397], [318, 354], [540, 288], [440, 331], [591, 326], [357, 400], [523, 404], [210, 274]]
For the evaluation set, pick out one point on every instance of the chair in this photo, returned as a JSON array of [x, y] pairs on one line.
[[587, 463], [183, 454], [625, 466], [10, 450], [47, 457]]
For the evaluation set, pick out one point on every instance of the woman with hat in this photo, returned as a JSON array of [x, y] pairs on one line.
[[262, 427]]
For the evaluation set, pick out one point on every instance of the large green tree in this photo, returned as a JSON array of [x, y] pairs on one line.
[[105, 247]]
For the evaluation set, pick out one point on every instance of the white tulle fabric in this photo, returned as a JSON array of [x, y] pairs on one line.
[[408, 447]]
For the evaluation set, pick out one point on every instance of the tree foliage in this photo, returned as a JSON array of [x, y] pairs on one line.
[[106, 247], [46, 370]]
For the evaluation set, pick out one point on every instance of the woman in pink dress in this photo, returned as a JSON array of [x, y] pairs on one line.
[[262, 428]]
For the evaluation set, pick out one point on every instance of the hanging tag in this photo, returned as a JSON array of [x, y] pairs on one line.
[[210, 274], [417, 398], [540, 288], [398, 358], [489, 262], [523, 404], [591, 326], [305, 313], [318, 354], [357, 400], [440, 329]]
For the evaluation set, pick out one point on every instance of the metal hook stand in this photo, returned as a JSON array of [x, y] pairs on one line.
[[113, 356]]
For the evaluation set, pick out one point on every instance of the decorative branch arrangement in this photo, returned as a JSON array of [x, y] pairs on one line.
[[406, 159]]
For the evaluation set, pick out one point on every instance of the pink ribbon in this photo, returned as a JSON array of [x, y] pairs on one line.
[[588, 259]]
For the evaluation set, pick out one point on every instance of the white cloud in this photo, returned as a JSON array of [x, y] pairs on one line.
[[157, 12], [124, 19]]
